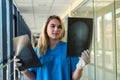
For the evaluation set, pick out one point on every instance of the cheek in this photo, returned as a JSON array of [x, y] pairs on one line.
[[48, 30], [61, 33]]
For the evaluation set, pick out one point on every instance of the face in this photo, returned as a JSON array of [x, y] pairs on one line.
[[54, 29]]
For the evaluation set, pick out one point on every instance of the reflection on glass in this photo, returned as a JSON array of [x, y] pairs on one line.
[[99, 58], [99, 42], [105, 54], [99, 51], [117, 6], [108, 31], [99, 32], [118, 44], [109, 60], [108, 41]]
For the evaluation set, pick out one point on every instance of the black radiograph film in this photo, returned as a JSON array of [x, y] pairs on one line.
[[79, 36], [24, 51]]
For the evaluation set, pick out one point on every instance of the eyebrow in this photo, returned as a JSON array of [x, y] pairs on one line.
[[54, 24]]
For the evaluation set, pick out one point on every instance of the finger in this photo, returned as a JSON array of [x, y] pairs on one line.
[[18, 64], [16, 68], [87, 50], [15, 56], [86, 53], [82, 54], [86, 58], [16, 60]]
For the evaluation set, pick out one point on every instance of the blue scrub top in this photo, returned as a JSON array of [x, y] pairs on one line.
[[55, 64]]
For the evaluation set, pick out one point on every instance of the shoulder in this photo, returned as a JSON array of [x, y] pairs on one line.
[[36, 49], [62, 46], [62, 43]]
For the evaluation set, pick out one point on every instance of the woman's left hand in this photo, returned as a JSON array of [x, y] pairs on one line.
[[84, 59]]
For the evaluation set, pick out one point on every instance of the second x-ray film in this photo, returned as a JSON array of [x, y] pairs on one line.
[[79, 35], [24, 51]]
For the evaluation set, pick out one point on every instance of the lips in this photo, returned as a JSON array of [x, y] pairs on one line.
[[55, 33]]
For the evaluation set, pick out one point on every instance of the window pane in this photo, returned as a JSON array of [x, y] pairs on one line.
[[117, 12], [105, 41], [108, 41]]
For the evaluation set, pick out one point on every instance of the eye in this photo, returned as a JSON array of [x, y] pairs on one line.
[[52, 26], [59, 27]]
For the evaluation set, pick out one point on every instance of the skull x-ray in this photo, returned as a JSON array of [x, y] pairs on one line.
[[24, 51], [79, 35]]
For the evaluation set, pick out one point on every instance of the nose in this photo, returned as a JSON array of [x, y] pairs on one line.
[[56, 28]]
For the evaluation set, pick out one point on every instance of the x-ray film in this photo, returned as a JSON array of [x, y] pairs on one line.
[[24, 51], [79, 35]]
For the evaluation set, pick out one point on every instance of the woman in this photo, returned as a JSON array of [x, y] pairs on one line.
[[51, 52]]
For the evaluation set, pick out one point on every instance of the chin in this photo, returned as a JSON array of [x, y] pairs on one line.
[[55, 38]]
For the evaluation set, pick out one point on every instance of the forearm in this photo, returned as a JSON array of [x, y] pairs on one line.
[[77, 74], [83, 61], [29, 75]]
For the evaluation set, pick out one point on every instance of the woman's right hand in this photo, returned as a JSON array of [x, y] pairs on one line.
[[17, 63]]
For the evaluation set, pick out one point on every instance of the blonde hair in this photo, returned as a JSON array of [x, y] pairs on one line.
[[43, 41]]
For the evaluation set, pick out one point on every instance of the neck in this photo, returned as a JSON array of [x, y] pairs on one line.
[[53, 43]]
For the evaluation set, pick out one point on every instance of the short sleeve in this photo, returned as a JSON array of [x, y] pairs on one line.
[[74, 61], [32, 69]]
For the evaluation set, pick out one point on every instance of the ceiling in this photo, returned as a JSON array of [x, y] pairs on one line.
[[35, 12]]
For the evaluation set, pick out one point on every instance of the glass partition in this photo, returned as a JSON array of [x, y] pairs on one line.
[[105, 54], [117, 14], [105, 41]]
